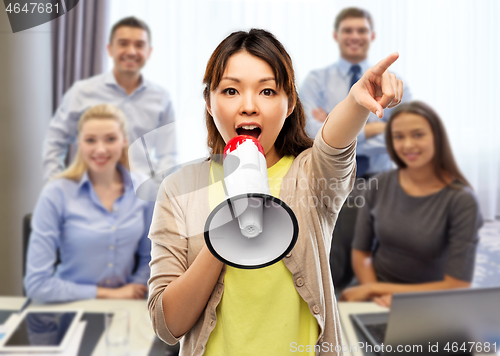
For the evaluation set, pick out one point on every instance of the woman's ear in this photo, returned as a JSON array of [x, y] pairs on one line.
[[209, 109], [290, 110]]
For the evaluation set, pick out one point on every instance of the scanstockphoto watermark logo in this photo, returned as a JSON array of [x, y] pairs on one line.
[[324, 188], [429, 348], [360, 347], [25, 14]]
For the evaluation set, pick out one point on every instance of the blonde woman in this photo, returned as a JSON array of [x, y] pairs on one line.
[[91, 216]]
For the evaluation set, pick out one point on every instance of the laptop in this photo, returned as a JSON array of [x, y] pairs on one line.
[[451, 322]]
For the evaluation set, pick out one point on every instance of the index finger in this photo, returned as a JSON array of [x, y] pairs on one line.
[[384, 64]]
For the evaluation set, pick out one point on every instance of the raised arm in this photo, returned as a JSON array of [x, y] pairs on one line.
[[376, 90], [371, 140]]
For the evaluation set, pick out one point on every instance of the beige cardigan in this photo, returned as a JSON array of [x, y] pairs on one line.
[[315, 188]]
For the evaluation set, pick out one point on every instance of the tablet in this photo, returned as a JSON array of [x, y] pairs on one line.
[[41, 331]]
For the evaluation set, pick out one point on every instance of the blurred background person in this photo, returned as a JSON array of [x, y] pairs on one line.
[[89, 230], [324, 88], [419, 230], [321, 91], [147, 106]]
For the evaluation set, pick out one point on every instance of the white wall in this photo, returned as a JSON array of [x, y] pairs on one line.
[[25, 110]]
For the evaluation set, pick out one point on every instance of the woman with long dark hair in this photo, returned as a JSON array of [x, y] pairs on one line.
[[221, 310], [418, 230]]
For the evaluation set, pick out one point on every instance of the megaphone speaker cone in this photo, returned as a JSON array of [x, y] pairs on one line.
[[251, 228], [226, 241]]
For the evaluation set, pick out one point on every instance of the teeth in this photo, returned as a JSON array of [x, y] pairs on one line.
[[249, 127]]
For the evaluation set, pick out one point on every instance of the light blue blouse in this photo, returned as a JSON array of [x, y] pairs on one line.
[[96, 247]]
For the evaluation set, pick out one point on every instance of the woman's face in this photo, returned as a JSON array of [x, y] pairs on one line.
[[248, 102], [101, 142], [413, 140]]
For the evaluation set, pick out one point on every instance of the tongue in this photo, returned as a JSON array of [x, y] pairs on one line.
[[254, 133]]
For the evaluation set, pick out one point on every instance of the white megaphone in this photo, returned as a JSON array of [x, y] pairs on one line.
[[251, 228]]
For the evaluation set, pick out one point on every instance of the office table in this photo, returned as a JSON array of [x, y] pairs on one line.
[[142, 335], [141, 331], [12, 303], [9, 305]]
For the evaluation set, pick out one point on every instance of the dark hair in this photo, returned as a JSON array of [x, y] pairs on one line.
[[292, 138], [355, 12], [443, 160], [130, 21]]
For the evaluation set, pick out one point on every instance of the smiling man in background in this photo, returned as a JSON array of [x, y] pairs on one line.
[[324, 88], [321, 91], [146, 105]]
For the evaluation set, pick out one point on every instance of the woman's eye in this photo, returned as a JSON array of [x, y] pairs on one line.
[[268, 92], [230, 91], [111, 139], [89, 140]]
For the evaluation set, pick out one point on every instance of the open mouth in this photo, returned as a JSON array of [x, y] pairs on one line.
[[250, 130]]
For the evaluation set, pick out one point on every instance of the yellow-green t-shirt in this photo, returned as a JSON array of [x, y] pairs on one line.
[[260, 312]]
